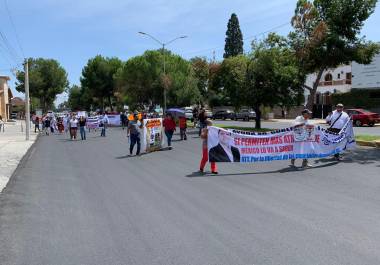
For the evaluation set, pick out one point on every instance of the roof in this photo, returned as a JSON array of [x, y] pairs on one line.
[[5, 77]]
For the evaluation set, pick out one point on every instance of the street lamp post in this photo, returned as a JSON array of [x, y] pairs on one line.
[[163, 44]]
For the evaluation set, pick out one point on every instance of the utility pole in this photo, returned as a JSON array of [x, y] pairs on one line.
[[164, 79], [163, 53], [27, 101]]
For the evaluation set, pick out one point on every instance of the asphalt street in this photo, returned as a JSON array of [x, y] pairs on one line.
[[279, 125], [74, 202]]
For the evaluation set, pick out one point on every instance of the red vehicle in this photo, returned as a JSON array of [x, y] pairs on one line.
[[361, 117]]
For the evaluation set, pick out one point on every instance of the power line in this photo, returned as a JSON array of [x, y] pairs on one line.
[[9, 47], [14, 27]]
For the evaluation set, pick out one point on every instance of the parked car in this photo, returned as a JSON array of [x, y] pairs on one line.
[[189, 114], [208, 114], [245, 114], [361, 117], [223, 115]]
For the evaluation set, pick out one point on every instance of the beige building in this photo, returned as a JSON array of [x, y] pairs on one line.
[[5, 98]]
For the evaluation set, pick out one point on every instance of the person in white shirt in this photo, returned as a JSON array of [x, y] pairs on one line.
[[73, 123], [337, 119], [103, 124], [302, 120]]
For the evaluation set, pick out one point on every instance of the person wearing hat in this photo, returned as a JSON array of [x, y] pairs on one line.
[[303, 119], [337, 119]]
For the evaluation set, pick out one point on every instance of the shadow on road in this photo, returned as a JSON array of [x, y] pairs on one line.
[[359, 155], [283, 170]]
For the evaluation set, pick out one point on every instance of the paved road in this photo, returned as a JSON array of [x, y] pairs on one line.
[[278, 125], [88, 203]]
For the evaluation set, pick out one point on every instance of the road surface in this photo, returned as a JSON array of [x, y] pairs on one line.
[[89, 203]]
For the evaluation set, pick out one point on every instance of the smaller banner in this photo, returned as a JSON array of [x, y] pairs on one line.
[[152, 135], [114, 119], [92, 122], [306, 141]]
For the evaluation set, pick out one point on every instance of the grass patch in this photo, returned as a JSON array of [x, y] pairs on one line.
[[249, 129], [368, 138]]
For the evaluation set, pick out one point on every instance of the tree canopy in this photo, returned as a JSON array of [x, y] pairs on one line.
[[141, 80], [234, 38], [98, 79], [327, 34], [47, 79]]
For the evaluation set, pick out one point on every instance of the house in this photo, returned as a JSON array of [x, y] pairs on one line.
[[5, 98], [337, 80], [366, 76]]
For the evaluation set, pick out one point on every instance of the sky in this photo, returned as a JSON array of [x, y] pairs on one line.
[[73, 31]]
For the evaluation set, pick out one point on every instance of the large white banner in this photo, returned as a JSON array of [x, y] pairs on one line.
[[304, 141]]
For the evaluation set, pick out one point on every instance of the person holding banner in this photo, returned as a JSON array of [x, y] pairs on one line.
[[204, 137], [337, 120], [103, 124], [133, 133], [301, 121]]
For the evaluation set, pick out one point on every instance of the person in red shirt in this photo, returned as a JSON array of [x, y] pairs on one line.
[[183, 127], [204, 136], [170, 127]]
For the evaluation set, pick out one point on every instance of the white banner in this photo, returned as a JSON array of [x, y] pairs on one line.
[[114, 119], [92, 122], [295, 142]]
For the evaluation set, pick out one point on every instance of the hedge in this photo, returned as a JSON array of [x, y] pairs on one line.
[[358, 98]]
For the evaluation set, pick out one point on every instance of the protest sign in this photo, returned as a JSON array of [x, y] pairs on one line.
[[114, 119], [152, 136], [92, 122], [303, 142]]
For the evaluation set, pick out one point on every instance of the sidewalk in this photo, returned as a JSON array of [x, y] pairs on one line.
[[13, 147]]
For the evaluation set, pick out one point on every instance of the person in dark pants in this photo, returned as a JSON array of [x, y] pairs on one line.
[[82, 127], [202, 121], [183, 127], [134, 127], [170, 127], [37, 124]]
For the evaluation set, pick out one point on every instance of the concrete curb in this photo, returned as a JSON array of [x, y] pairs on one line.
[[369, 143]]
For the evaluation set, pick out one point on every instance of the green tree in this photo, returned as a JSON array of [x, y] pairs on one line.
[[140, 80], [98, 79], [234, 38], [233, 72], [201, 73], [47, 79], [272, 76], [327, 34]]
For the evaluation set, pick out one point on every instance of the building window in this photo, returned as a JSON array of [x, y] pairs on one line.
[[328, 77], [338, 76], [348, 76]]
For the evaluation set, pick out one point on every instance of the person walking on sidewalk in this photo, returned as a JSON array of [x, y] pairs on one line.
[[170, 127], [202, 120], [303, 120], [204, 136], [133, 132], [183, 127], [337, 120], [73, 123], [82, 127]]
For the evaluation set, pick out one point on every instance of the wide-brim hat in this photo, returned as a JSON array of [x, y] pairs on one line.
[[306, 111], [339, 105]]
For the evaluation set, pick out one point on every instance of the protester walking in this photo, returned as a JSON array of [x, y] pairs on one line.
[[170, 127], [103, 122], [124, 120], [202, 120], [73, 124], [204, 136], [303, 120], [133, 133], [337, 120], [183, 127], [47, 125], [82, 127]]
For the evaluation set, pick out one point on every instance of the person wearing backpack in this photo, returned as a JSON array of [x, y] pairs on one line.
[[337, 120]]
